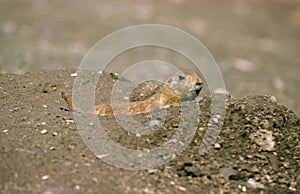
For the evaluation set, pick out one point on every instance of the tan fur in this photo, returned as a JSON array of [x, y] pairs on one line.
[[165, 97]]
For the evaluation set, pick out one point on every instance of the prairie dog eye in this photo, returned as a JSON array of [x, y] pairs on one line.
[[180, 77]]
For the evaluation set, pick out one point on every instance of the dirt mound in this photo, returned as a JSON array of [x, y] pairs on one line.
[[42, 152]]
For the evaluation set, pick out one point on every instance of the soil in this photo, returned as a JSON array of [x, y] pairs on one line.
[[41, 150]]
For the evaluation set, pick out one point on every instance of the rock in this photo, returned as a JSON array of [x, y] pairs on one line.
[[45, 177], [253, 184], [217, 146], [273, 99], [264, 139], [74, 74], [151, 170], [44, 131]]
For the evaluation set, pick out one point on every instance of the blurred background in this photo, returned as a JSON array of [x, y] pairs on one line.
[[256, 43]]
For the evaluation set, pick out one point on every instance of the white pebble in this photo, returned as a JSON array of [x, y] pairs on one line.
[[253, 184], [181, 188], [215, 120], [217, 146], [45, 177], [244, 189], [74, 74], [69, 121], [201, 129], [102, 156], [52, 148], [44, 131], [151, 171]]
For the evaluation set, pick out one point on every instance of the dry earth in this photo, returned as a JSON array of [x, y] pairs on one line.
[[41, 150]]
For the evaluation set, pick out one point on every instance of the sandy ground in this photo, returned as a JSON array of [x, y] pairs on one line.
[[257, 150]]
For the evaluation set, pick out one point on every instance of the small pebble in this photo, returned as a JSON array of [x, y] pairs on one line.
[[45, 177], [5, 130], [74, 74], [151, 171], [286, 164], [201, 129], [244, 189], [217, 146], [253, 184], [95, 180], [102, 156], [44, 131], [292, 186], [52, 148], [77, 187], [43, 123], [218, 116], [215, 120], [69, 121], [54, 133], [180, 188], [273, 99], [45, 106], [269, 178]]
